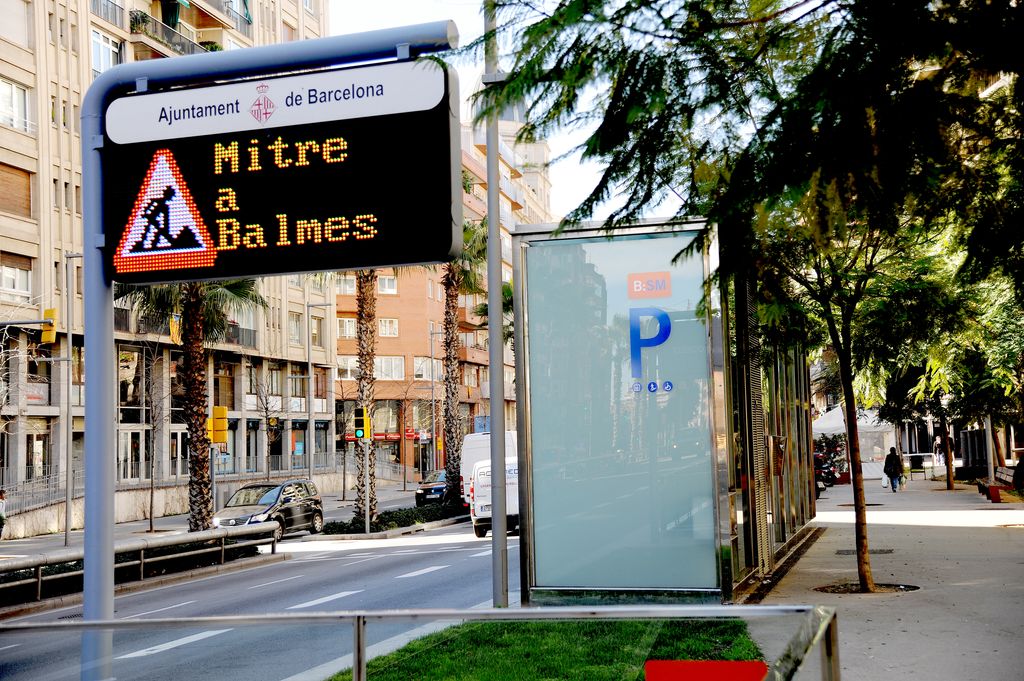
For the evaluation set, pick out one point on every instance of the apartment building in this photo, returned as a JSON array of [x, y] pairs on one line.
[[410, 309], [50, 52]]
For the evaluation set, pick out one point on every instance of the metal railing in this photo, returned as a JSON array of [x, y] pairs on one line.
[[111, 12], [137, 548], [49, 489], [143, 23], [807, 635]]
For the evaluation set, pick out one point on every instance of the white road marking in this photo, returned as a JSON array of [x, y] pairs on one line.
[[276, 581], [150, 612], [325, 599], [395, 553], [328, 669], [424, 571], [13, 645], [482, 553], [314, 555], [172, 644]]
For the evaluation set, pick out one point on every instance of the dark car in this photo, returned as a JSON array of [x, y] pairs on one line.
[[431, 489], [293, 505]]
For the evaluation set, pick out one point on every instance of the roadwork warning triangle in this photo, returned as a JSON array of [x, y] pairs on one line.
[[165, 230]]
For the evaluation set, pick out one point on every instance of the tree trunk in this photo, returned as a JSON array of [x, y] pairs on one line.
[[200, 499], [366, 321], [451, 418], [867, 582], [1000, 459]]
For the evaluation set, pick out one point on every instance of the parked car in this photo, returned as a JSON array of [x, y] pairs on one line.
[[293, 505], [431, 489], [480, 496]]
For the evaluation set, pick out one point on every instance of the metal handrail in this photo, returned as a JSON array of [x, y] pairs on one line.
[[818, 629], [139, 546]]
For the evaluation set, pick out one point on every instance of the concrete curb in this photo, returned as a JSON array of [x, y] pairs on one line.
[[388, 534], [152, 582]]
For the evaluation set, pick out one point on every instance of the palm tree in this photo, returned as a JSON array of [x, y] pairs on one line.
[[366, 318], [204, 309], [461, 275], [508, 328]]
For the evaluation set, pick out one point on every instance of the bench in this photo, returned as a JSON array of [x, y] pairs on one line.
[[991, 488]]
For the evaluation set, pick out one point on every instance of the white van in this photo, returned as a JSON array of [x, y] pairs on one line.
[[477, 447], [480, 496]]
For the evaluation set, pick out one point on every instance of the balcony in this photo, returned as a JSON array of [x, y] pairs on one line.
[[239, 335], [143, 24], [467, 318], [110, 12], [475, 204], [474, 354]]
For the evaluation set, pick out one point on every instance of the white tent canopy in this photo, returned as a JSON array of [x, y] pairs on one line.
[[875, 436]]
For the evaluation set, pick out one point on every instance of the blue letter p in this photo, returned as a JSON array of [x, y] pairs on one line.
[[636, 342]]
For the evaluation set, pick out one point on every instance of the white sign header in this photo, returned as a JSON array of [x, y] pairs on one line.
[[276, 102]]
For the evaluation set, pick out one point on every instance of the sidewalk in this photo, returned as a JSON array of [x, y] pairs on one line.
[[966, 555]]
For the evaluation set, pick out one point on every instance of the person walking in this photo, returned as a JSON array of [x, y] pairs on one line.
[[893, 468], [3, 511]]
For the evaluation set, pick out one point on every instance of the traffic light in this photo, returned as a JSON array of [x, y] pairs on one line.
[[363, 429], [50, 327], [220, 425]]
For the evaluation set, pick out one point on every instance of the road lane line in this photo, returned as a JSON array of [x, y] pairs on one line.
[[424, 571], [395, 553], [314, 556], [276, 581], [482, 553], [14, 645], [152, 650], [325, 599], [150, 612]]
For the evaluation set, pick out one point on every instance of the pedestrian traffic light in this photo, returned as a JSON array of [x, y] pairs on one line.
[[50, 326], [220, 425], [362, 424]]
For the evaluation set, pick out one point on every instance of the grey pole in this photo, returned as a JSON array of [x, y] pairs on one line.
[[366, 478], [69, 431], [100, 416], [495, 346], [407, 41]]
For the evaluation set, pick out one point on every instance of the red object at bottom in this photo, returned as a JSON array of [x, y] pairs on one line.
[[704, 670]]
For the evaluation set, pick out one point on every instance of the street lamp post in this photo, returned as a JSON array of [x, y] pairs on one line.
[[310, 425], [433, 408], [69, 310]]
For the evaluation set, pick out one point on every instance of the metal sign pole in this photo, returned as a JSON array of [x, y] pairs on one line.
[[69, 430], [366, 484], [109, 88], [496, 348]]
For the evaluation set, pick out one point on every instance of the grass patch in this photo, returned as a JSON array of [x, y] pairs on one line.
[[390, 520], [584, 650]]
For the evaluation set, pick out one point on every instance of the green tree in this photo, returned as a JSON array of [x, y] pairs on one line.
[[508, 329], [204, 309], [461, 276], [809, 124]]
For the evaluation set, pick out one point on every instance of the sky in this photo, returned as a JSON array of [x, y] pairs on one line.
[[571, 180]]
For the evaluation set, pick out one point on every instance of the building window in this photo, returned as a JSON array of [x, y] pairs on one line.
[[389, 368], [430, 289], [421, 369], [133, 384], [310, 5], [288, 33], [320, 383], [387, 285], [346, 327], [469, 375], [295, 328], [388, 327], [15, 278], [346, 284], [348, 367], [13, 105], [295, 280], [16, 196], [316, 331], [106, 52], [224, 384], [274, 379], [298, 380]]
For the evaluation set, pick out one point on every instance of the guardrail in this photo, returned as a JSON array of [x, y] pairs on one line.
[[807, 645], [137, 547]]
